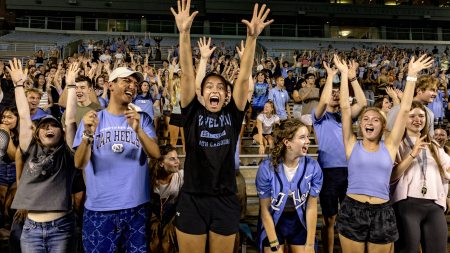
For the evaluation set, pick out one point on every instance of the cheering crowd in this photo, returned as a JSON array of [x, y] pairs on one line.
[[89, 142]]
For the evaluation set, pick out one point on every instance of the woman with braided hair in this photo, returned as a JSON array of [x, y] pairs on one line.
[[288, 184]]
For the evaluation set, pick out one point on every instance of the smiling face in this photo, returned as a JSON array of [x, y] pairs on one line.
[[123, 89], [145, 87], [214, 93], [426, 96], [260, 78], [268, 108], [416, 121], [372, 125], [386, 106], [299, 143], [83, 91], [334, 100], [9, 119], [440, 135], [171, 163], [49, 134], [33, 100]]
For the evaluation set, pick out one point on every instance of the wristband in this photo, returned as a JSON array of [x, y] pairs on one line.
[[274, 242], [352, 79], [411, 78], [19, 85], [88, 137], [412, 156]]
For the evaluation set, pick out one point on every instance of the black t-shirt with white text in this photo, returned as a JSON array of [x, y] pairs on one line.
[[211, 140]]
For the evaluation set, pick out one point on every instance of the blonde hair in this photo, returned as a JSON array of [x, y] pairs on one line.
[[380, 112], [426, 82]]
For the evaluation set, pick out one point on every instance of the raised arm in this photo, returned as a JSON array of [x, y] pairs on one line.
[[184, 22], [205, 53], [361, 101], [347, 129], [71, 109], [254, 29], [414, 67], [326, 92], [18, 76]]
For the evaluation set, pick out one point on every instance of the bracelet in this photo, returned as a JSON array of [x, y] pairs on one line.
[[274, 242], [412, 156], [411, 78], [352, 79], [19, 85]]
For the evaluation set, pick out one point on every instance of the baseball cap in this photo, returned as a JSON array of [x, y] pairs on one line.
[[48, 118], [125, 72]]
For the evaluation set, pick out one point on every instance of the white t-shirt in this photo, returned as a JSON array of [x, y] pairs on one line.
[[267, 123]]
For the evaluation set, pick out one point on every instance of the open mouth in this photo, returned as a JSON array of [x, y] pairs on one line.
[[305, 149], [49, 135], [369, 130], [129, 93], [214, 101]]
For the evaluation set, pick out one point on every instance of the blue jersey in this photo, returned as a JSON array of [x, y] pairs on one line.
[[260, 95], [279, 97], [39, 114], [275, 185], [117, 175]]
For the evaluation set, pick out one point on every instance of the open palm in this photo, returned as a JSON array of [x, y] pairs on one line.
[[18, 74], [183, 18], [257, 24]]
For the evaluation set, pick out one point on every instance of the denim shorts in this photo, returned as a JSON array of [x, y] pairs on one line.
[[364, 222], [53, 236], [7, 174]]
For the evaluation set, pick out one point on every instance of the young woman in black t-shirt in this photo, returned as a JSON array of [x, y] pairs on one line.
[[208, 206]]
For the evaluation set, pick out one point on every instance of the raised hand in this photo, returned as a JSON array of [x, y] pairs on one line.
[[90, 122], [182, 17], [419, 146], [340, 64], [133, 118], [330, 71], [391, 92], [240, 50], [72, 73], [352, 67], [415, 66], [257, 24], [205, 47], [18, 74]]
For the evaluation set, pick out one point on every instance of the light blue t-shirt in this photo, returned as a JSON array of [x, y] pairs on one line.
[[39, 114], [145, 103], [117, 175], [279, 98], [331, 143]]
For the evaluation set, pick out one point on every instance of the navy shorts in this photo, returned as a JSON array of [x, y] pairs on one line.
[[364, 222], [7, 174], [334, 189], [199, 214], [289, 230]]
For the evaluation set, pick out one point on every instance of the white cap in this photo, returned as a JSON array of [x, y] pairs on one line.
[[125, 72]]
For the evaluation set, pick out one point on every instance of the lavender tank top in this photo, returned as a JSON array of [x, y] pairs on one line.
[[369, 172]]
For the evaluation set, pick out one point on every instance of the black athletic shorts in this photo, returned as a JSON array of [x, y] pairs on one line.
[[176, 120], [334, 189], [199, 214], [364, 222]]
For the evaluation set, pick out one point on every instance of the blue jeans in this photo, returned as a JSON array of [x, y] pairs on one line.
[[106, 231], [53, 236]]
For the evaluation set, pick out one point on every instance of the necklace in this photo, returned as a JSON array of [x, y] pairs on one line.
[[423, 166]]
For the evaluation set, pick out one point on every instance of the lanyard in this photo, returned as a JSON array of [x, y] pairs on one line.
[[423, 165]]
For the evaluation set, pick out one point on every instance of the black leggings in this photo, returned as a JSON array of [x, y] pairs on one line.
[[420, 220]]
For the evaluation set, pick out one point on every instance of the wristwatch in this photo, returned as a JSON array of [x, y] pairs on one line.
[[88, 137], [275, 248]]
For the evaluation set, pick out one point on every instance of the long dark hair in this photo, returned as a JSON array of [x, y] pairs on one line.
[[158, 171], [14, 133]]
